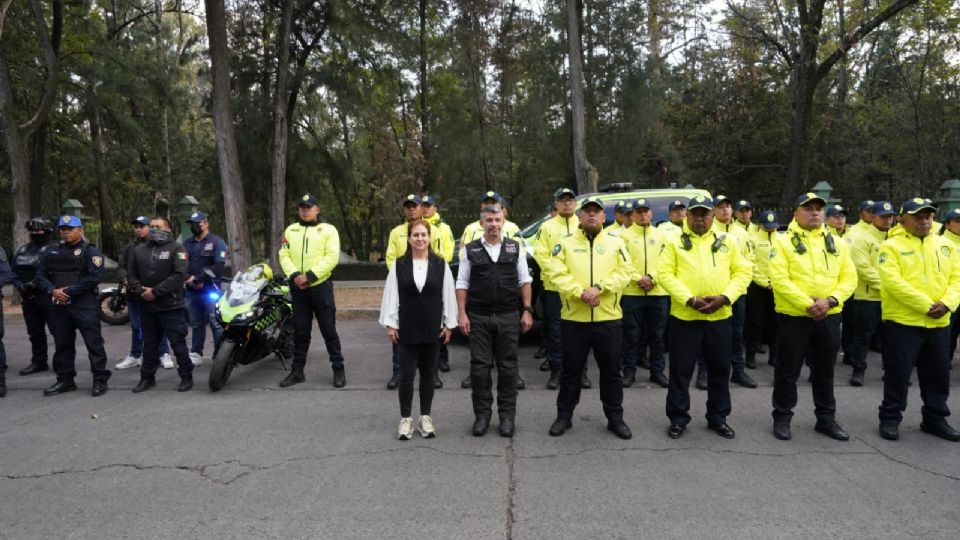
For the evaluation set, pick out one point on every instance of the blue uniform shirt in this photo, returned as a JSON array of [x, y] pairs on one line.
[[211, 252]]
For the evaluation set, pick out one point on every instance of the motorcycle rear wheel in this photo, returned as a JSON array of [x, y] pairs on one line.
[[223, 363], [108, 314]]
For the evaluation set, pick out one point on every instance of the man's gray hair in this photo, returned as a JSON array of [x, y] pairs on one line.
[[490, 209]]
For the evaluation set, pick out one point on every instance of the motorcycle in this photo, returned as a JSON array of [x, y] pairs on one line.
[[255, 312], [113, 305]]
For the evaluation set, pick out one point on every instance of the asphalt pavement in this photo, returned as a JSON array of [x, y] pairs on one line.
[[311, 461]]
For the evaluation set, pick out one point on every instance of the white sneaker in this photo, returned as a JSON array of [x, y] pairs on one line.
[[405, 431], [425, 427], [196, 359], [166, 361], [129, 362]]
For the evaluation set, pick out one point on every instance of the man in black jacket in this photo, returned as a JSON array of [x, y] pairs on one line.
[[34, 303], [156, 274]]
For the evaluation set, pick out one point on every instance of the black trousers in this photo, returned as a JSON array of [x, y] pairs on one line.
[[315, 302], [818, 341], [928, 349], [35, 317], [156, 324], [3, 350], [848, 327], [605, 339], [688, 341], [866, 315], [424, 357], [494, 341], [761, 320], [65, 321]]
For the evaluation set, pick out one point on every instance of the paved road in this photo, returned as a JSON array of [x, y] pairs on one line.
[[255, 461]]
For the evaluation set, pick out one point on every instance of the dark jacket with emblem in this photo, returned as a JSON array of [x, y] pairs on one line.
[[78, 267], [494, 287], [162, 267]]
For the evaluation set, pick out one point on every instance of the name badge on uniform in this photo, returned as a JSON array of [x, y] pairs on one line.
[[510, 248], [164, 255], [208, 247], [77, 252]]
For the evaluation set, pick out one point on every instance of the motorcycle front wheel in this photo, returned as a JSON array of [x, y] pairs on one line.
[[223, 363], [113, 310]]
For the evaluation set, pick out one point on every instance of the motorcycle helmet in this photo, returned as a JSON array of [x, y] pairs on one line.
[[38, 225]]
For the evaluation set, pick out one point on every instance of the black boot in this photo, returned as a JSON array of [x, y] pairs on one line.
[[750, 362], [554, 381], [3, 388], [394, 381], [295, 377], [146, 382], [186, 383], [33, 368], [629, 377], [701, 383]]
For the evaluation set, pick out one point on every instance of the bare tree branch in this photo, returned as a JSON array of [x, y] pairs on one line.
[[756, 27], [49, 60]]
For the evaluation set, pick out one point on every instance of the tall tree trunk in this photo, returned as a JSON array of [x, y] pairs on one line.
[[162, 86], [231, 183], [427, 182], [38, 168], [585, 173], [108, 237], [281, 134]]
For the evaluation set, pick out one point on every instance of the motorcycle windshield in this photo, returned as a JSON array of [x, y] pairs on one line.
[[245, 287]]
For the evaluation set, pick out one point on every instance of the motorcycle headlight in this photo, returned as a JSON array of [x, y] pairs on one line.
[[244, 316]]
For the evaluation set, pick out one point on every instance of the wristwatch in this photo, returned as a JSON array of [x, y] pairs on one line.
[[528, 309], [832, 302], [598, 287]]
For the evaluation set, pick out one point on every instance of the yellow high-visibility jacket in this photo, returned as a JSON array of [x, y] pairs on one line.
[[475, 230], [399, 240], [762, 244], [444, 237], [915, 273], [644, 245], [551, 232], [804, 265], [313, 250], [709, 265], [576, 263], [864, 251]]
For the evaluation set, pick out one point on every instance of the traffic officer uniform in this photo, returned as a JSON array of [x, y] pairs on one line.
[[550, 234], [920, 286], [866, 307], [847, 315], [808, 265], [493, 284], [580, 264], [738, 319], [160, 264], [761, 316], [77, 269], [672, 228], [207, 253], [33, 302], [622, 219], [698, 270], [6, 276], [312, 249], [474, 230], [645, 311], [951, 231]]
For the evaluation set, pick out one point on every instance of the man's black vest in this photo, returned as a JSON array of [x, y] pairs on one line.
[[67, 264], [27, 259], [494, 287], [421, 312]]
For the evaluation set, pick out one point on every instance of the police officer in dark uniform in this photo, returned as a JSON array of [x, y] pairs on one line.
[[156, 273], [205, 251], [6, 276], [70, 273], [34, 303]]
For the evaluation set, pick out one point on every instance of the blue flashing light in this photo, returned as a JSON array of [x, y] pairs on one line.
[[213, 295]]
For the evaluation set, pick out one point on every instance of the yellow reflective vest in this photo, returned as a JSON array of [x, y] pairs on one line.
[[864, 251], [444, 243], [807, 264], [313, 250], [551, 232], [577, 263], [709, 265], [762, 244], [475, 230], [915, 273], [399, 240], [644, 245]]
